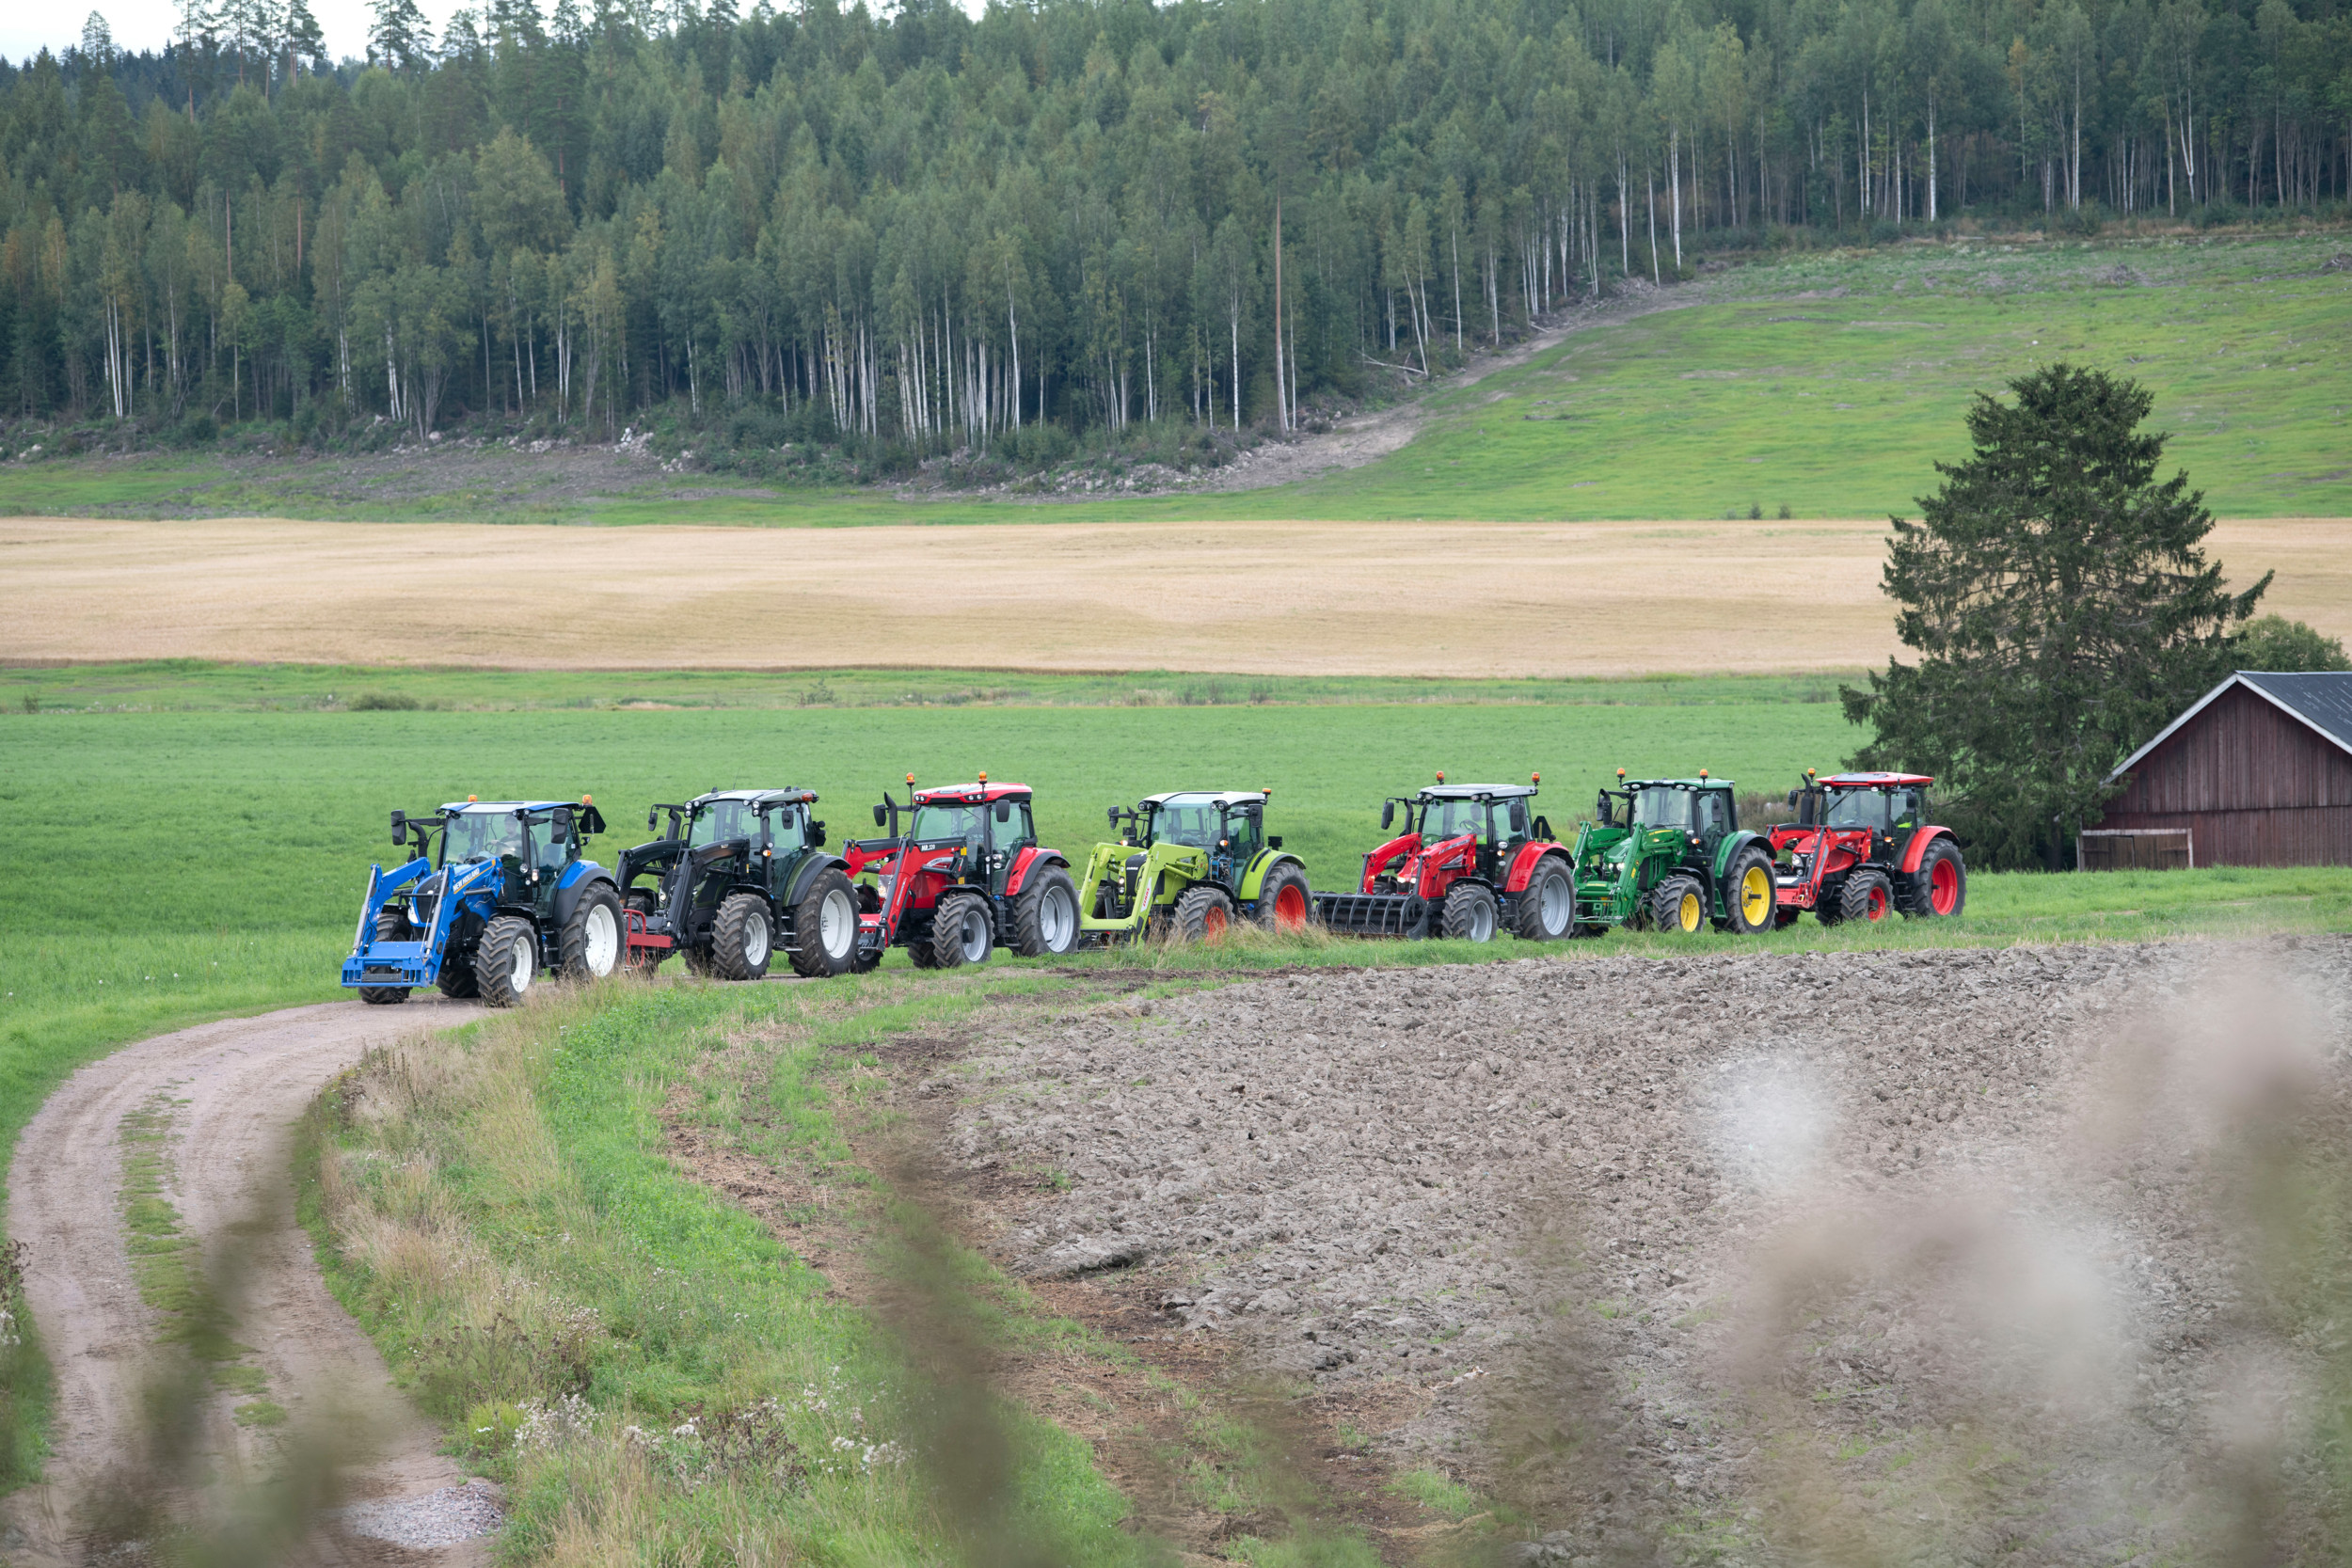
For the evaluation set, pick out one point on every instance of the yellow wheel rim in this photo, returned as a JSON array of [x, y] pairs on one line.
[[1688, 913], [1755, 895]]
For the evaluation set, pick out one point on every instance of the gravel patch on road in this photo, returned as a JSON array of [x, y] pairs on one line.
[[1951, 1245], [440, 1518]]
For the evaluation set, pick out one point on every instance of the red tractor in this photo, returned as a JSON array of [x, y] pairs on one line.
[[966, 877], [1861, 849], [1471, 863]]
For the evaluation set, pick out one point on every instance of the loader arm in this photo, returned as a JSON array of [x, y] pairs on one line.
[[1181, 862]]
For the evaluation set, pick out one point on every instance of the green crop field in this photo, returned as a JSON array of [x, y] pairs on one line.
[[1827, 383]]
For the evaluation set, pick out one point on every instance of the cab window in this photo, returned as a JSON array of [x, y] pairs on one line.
[[1664, 806], [1011, 824], [1444, 820], [1714, 812], [1858, 808], [1906, 809], [1514, 820], [722, 820], [1197, 826], [550, 843], [784, 828], [947, 824], [1242, 826]]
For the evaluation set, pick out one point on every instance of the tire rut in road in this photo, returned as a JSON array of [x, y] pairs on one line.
[[234, 1091]]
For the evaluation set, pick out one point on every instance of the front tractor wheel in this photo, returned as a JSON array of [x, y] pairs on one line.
[[824, 928], [1045, 916], [1545, 910], [961, 933], [1750, 898], [1203, 914], [507, 960], [1678, 904], [594, 936], [391, 926], [1469, 913], [742, 938], [1284, 901], [1940, 886], [1867, 895]]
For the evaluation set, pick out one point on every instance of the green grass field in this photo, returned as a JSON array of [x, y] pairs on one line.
[[1828, 383]]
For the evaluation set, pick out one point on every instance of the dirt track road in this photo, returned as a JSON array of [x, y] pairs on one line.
[[235, 1089]]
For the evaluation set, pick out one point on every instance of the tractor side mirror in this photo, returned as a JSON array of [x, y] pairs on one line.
[[1543, 827], [591, 821], [1600, 808], [1274, 842], [651, 813], [817, 835], [878, 817], [400, 827], [1111, 815], [1004, 811], [1387, 814]]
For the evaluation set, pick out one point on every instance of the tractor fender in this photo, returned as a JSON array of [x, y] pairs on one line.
[[1026, 861], [578, 878], [810, 866], [1917, 850], [1731, 847], [1528, 856], [1254, 879]]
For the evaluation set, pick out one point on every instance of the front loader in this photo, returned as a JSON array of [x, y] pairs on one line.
[[1669, 854], [1191, 862]]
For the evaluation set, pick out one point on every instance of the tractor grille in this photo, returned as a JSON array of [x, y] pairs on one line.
[[1372, 914]]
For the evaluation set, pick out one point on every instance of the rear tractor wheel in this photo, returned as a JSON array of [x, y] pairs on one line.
[[1545, 908], [1751, 901], [1202, 914], [1045, 915], [391, 926], [1867, 895], [1678, 904], [742, 938], [824, 926], [1469, 913], [507, 960], [1284, 901], [961, 933], [1940, 886]]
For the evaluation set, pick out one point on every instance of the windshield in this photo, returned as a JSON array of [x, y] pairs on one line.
[[1663, 806], [1857, 808], [481, 835], [1443, 819], [1197, 823], [717, 821], [946, 824]]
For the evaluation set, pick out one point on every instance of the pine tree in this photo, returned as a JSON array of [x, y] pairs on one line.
[[302, 36], [2064, 609], [399, 40]]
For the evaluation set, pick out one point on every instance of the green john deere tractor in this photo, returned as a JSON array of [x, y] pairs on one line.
[[1192, 862], [1669, 854]]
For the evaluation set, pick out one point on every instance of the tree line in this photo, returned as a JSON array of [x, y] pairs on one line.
[[941, 231]]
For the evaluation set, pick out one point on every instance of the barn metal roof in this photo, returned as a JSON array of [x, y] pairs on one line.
[[2321, 699]]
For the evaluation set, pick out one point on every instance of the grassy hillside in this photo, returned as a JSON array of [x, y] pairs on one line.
[[1826, 383]]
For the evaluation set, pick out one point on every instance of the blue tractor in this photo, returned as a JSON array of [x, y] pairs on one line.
[[505, 897]]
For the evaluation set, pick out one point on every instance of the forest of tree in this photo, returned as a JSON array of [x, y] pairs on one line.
[[928, 231]]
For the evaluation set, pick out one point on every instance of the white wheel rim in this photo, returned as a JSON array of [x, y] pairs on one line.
[[836, 923], [975, 934], [1555, 905], [604, 940], [755, 940], [519, 980], [1056, 919], [1482, 920]]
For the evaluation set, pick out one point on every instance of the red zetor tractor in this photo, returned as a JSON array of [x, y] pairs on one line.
[[964, 877], [1469, 863], [1861, 849]]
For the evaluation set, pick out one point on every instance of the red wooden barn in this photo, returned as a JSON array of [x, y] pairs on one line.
[[2259, 771]]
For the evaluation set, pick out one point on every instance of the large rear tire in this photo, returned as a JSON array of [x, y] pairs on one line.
[[508, 962], [1045, 915], [961, 932], [391, 926], [742, 938], [1203, 914], [1940, 887], [457, 980], [1545, 910], [824, 926], [1285, 902], [1469, 914], [1867, 895], [1751, 898], [596, 936], [1678, 904]]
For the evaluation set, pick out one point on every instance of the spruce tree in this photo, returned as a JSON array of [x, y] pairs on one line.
[[2063, 607]]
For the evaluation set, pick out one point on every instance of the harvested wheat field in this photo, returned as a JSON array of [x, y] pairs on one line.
[[1462, 599], [2029, 1256]]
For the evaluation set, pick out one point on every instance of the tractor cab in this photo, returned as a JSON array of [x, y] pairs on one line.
[[1230, 828], [961, 874], [1862, 849], [1471, 860], [738, 875]]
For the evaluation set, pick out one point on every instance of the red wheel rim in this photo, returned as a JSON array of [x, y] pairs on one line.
[[1877, 910], [1290, 906], [1213, 923], [1944, 887]]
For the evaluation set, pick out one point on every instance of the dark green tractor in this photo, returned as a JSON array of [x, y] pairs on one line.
[[741, 876], [1669, 854]]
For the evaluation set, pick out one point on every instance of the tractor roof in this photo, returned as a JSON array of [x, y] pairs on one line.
[[756, 796], [1871, 780], [971, 793], [1476, 792], [1675, 784], [502, 808], [1206, 798]]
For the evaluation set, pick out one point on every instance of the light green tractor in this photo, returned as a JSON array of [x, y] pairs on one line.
[[1191, 862]]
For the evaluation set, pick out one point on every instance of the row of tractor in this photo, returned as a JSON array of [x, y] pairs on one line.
[[495, 894]]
